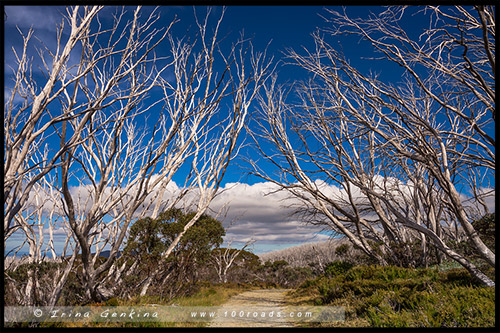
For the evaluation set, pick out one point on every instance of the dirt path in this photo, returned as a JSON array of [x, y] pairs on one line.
[[249, 308]]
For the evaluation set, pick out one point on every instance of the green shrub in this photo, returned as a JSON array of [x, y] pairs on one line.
[[458, 276], [337, 267], [210, 291], [360, 273], [112, 302], [310, 283], [403, 297], [342, 250]]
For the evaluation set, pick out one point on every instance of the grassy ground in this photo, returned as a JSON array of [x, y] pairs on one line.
[[207, 295], [372, 296], [397, 297]]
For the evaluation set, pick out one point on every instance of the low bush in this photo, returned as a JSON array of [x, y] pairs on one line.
[[337, 267], [402, 297], [342, 250]]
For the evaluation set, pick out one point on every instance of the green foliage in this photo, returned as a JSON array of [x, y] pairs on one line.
[[402, 297], [337, 267], [149, 238], [342, 250], [245, 259], [280, 274], [145, 239], [410, 254], [485, 227], [40, 269], [240, 270], [248, 259], [385, 273], [276, 265], [112, 302], [43, 273], [73, 290]]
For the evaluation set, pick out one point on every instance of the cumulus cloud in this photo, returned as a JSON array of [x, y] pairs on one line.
[[259, 212], [264, 214], [250, 212]]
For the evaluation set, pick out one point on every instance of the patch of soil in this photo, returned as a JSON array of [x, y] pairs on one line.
[[254, 308]]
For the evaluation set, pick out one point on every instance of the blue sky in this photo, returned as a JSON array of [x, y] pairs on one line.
[[278, 28], [275, 27]]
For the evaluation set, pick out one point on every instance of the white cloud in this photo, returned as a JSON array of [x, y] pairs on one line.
[[489, 199], [262, 213], [259, 211], [474, 208]]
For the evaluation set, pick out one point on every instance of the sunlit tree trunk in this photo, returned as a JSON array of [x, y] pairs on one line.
[[394, 156]]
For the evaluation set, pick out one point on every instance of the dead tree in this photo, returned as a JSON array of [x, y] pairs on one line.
[[223, 259], [113, 165], [27, 120], [240, 77], [383, 164], [41, 219]]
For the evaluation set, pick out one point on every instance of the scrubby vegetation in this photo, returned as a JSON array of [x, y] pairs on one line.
[[411, 291], [391, 296], [443, 294]]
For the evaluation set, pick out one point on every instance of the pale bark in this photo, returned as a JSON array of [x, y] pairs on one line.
[[224, 258], [212, 156], [124, 171], [25, 124], [396, 155]]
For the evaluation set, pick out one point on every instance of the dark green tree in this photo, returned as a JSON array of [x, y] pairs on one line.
[[148, 238]]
